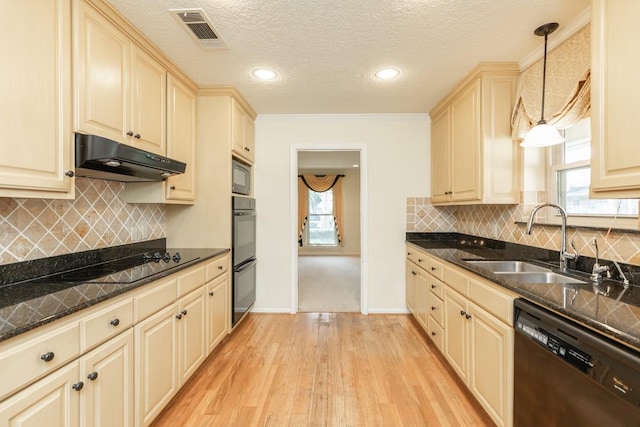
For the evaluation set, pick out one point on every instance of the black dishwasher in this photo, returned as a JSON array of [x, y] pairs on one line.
[[568, 375]]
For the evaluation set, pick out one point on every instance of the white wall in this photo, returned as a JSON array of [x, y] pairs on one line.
[[398, 167]]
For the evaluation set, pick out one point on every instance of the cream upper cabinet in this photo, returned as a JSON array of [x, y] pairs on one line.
[[473, 159], [181, 145], [120, 90], [35, 116], [615, 158], [242, 132]]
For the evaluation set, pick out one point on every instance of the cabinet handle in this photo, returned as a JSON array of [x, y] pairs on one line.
[[432, 308], [211, 294], [408, 253], [178, 316], [468, 316], [92, 376], [433, 286], [433, 334], [70, 174], [219, 267], [414, 273], [136, 136], [48, 357], [173, 187], [78, 386], [183, 312], [434, 268], [130, 133], [419, 260], [462, 313], [246, 149], [115, 322]]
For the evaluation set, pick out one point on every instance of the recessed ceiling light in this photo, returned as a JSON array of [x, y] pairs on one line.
[[356, 166], [387, 73], [264, 74]]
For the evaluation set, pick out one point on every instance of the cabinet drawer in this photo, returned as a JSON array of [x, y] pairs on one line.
[[24, 361], [216, 268], [436, 334], [105, 323], [436, 309], [154, 299], [436, 269], [496, 302], [456, 280], [190, 280], [436, 287]]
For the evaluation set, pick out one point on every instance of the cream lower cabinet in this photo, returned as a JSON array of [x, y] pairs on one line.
[[470, 320], [217, 311], [615, 161], [95, 390], [474, 160], [191, 333], [107, 372], [410, 287], [36, 156]]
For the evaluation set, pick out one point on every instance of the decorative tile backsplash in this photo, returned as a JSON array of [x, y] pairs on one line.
[[499, 222], [97, 218]]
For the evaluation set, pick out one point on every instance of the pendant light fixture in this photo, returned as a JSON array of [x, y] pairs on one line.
[[543, 134]]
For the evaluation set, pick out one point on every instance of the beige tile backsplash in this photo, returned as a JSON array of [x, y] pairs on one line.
[[97, 218], [498, 222]]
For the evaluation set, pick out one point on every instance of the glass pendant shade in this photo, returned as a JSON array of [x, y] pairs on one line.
[[542, 135]]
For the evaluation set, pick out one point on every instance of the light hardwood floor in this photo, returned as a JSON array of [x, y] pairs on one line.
[[319, 369]]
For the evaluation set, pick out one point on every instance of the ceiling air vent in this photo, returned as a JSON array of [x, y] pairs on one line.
[[199, 27]]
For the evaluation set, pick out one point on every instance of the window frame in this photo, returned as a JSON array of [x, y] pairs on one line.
[[307, 240], [555, 163]]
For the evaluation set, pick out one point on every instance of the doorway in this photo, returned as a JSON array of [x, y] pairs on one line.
[[328, 267]]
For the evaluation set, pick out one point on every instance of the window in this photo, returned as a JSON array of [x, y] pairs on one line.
[[570, 178], [321, 230]]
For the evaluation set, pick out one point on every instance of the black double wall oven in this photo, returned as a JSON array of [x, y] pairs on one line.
[[244, 256]]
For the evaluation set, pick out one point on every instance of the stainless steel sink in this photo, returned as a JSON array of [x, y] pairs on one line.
[[537, 277], [508, 266]]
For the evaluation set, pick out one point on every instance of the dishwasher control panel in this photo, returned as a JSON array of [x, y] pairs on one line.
[[561, 348]]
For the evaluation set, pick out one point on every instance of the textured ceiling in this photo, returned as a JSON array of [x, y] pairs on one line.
[[326, 51]]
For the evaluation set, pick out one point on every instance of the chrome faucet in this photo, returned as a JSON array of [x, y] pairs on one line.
[[596, 272], [564, 255]]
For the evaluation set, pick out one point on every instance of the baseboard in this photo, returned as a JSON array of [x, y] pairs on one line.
[[320, 253], [271, 310], [388, 311]]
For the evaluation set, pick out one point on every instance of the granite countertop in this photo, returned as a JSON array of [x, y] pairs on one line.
[[27, 304], [606, 307]]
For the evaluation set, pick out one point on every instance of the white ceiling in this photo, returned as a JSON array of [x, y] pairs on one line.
[[326, 51]]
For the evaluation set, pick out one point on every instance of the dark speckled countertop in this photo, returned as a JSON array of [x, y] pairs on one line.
[[26, 304], [607, 308]]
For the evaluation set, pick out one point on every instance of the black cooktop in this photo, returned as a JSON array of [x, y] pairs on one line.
[[124, 270]]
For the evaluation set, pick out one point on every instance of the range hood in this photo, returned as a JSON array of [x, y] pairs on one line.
[[102, 158]]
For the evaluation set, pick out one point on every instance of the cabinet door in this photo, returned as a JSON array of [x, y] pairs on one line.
[[148, 103], [440, 157], [101, 73], [107, 371], [217, 311], [191, 332], [410, 286], [35, 115], [615, 162], [455, 325], [237, 128], [491, 364], [52, 401], [465, 144], [422, 298], [181, 142], [249, 138], [156, 367]]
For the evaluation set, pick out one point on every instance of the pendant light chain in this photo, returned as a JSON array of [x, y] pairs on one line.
[[544, 76]]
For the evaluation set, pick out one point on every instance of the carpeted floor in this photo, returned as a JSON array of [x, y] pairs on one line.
[[329, 284]]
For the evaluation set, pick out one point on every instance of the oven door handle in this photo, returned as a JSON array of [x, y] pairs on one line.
[[244, 266], [253, 213]]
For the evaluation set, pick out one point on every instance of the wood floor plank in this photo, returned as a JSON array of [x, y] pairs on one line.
[[324, 369]]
